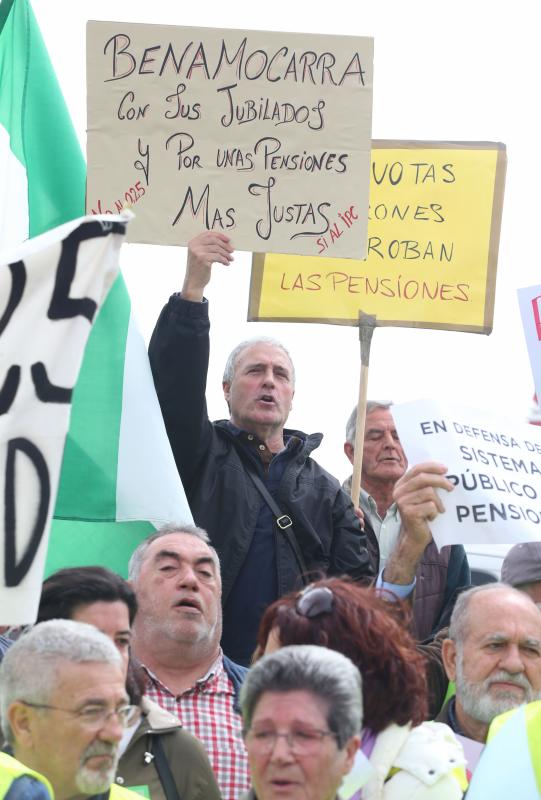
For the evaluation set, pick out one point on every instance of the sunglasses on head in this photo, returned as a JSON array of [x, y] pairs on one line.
[[314, 601]]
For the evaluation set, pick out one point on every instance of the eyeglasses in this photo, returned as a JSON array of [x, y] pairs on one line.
[[314, 601], [96, 716], [299, 742]]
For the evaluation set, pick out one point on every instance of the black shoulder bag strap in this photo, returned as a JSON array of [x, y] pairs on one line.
[[284, 522], [163, 769]]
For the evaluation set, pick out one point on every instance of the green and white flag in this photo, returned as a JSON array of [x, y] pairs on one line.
[[119, 479]]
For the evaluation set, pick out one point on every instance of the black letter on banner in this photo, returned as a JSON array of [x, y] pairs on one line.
[[9, 389], [62, 305], [11, 383], [46, 391], [15, 572], [18, 280]]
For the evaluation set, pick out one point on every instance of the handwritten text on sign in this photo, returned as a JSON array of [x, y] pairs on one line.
[[494, 464], [433, 232], [51, 288], [263, 136]]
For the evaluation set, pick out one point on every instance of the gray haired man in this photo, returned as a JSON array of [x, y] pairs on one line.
[[176, 637], [399, 505], [64, 708], [493, 654], [271, 511]]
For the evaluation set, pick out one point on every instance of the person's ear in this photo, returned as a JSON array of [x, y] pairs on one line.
[[227, 390], [448, 654], [352, 745], [349, 450], [20, 720]]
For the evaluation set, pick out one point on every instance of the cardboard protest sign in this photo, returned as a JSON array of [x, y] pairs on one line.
[[494, 464], [530, 310], [264, 136], [433, 234], [51, 289]]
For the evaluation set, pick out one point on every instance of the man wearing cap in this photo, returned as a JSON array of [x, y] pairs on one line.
[[521, 568]]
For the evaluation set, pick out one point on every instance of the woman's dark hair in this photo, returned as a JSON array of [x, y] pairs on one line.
[[372, 631], [69, 588]]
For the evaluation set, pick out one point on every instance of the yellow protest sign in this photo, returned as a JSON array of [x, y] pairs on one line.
[[433, 234]]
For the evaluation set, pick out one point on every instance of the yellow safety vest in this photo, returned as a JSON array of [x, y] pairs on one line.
[[10, 769], [119, 793], [532, 718]]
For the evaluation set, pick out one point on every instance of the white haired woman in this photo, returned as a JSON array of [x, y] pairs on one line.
[[302, 715]]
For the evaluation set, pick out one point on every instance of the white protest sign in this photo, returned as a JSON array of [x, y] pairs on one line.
[[51, 289], [529, 300], [494, 463], [264, 136]]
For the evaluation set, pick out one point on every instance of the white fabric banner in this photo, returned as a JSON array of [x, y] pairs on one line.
[[51, 289]]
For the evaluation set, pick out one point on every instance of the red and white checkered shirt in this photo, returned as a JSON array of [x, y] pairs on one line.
[[207, 711]]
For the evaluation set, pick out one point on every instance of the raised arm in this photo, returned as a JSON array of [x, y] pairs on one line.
[[179, 353], [204, 250]]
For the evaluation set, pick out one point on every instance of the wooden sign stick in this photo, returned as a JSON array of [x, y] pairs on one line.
[[367, 323]]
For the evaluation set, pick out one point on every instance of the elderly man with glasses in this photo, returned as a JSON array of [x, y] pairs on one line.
[[64, 709]]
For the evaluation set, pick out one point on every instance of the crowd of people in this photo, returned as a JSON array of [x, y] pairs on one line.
[[292, 644]]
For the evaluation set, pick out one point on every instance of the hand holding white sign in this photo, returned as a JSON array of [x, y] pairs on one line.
[[417, 499], [419, 503]]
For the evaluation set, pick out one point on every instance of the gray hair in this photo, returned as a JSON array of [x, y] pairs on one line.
[[351, 425], [327, 674], [231, 363], [32, 666], [138, 556], [458, 626]]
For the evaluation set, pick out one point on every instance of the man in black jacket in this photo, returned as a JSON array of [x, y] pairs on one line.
[[260, 560]]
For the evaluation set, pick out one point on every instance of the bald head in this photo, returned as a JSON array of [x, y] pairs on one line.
[[487, 598]]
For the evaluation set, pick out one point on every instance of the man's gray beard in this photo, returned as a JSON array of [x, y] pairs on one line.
[[94, 781], [479, 704]]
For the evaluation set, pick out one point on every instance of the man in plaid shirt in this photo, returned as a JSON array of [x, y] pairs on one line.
[[176, 637]]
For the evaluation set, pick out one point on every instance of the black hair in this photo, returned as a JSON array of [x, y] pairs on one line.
[[67, 589]]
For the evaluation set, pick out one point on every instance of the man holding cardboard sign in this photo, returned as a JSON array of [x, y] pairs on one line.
[[273, 514]]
